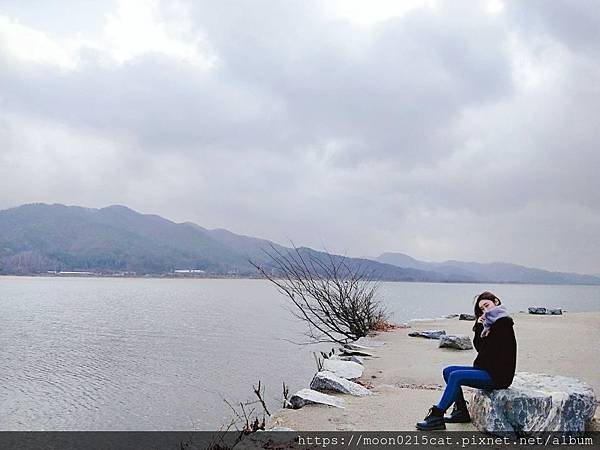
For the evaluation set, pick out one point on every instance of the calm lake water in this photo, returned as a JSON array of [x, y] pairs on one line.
[[164, 354]]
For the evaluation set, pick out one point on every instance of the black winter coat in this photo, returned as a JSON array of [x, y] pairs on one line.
[[497, 352]]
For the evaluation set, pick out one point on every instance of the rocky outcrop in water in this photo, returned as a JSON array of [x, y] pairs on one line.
[[535, 403], [466, 317]]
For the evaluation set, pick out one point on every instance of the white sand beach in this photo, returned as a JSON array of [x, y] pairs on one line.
[[406, 372]]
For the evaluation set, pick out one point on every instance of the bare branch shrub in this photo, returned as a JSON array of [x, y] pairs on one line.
[[245, 421], [318, 361], [286, 395], [335, 297]]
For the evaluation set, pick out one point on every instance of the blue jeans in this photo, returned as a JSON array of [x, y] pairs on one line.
[[457, 376]]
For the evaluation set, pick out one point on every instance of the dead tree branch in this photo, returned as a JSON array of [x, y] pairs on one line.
[[336, 297]]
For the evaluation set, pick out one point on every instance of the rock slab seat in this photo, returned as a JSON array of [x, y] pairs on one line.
[[535, 403]]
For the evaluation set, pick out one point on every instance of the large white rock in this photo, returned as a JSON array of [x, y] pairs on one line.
[[535, 403], [329, 381], [345, 369], [307, 396]]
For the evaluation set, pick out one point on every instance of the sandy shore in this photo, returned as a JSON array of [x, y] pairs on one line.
[[406, 372]]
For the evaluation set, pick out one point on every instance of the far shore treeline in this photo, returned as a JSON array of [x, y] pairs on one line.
[[71, 240]]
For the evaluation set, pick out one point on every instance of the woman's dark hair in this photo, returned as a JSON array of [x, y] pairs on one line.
[[484, 296]]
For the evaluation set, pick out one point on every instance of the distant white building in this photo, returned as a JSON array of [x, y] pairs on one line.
[[188, 271], [75, 272]]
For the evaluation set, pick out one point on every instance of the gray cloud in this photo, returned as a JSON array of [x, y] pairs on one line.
[[446, 133], [573, 23]]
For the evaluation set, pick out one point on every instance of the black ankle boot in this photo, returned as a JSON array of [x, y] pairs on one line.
[[433, 421], [459, 414]]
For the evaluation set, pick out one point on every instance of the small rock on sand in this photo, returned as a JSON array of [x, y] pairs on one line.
[[544, 311], [308, 396], [353, 358], [346, 352], [429, 334], [457, 341]]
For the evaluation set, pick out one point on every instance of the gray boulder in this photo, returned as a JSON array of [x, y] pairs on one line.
[[543, 310], [308, 396], [535, 403], [347, 352], [429, 334], [344, 369], [466, 317], [356, 359], [329, 381], [457, 341], [354, 346], [450, 316], [353, 358]]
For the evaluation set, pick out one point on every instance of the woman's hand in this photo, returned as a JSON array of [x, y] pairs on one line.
[[481, 319]]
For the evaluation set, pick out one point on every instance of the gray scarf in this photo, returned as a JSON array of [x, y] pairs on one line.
[[490, 318]]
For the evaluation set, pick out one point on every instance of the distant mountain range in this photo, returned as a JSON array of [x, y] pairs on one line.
[[41, 238], [497, 272]]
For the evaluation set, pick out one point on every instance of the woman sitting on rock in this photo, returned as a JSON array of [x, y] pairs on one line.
[[494, 367]]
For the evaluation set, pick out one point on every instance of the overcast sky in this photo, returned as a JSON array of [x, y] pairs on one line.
[[444, 130]]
